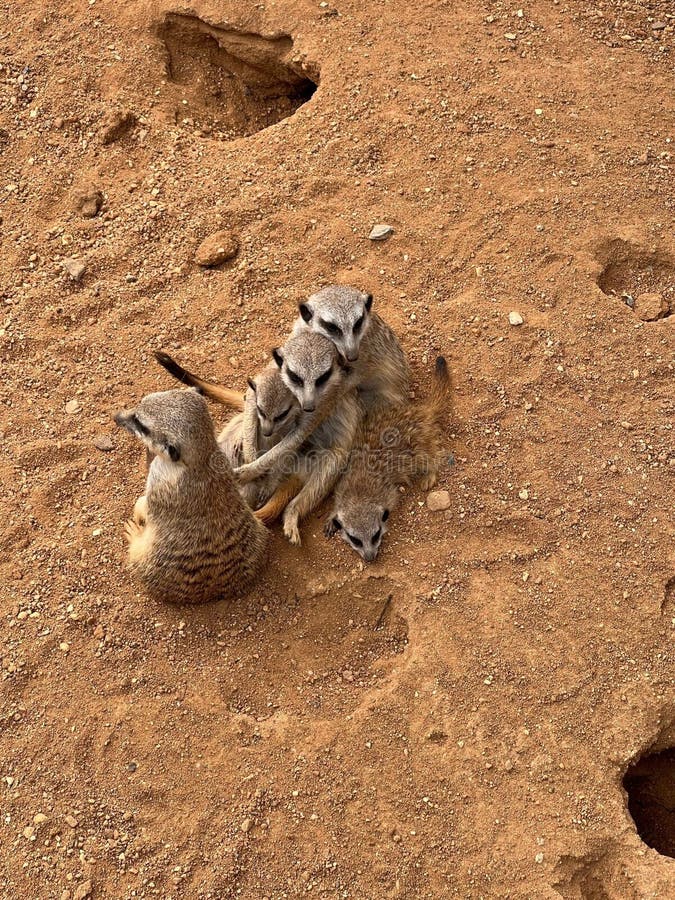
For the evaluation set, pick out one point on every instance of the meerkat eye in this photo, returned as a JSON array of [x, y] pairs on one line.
[[337, 524], [139, 425], [358, 324], [261, 414], [377, 534], [322, 379], [282, 415], [385, 515], [296, 379], [174, 452], [331, 327], [357, 542]]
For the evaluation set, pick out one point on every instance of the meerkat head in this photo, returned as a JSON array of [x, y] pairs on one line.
[[310, 367], [175, 425], [276, 406], [361, 523], [340, 313]]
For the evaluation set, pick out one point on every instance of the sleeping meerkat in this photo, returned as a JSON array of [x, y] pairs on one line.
[[395, 446], [379, 370], [192, 538]]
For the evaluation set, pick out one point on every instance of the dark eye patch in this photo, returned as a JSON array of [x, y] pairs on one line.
[[357, 542], [376, 536], [322, 379], [295, 378], [358, 324], [385, 515], [330, 327], [139, 425], [282, 415]]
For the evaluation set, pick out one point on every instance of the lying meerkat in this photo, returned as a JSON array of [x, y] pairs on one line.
[[395, 446], [379, 371], [192, 538]]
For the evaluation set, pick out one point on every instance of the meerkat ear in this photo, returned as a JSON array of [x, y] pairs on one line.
[[305, 312], [252, 385], [369, 302], [278, 358], [173, 451]]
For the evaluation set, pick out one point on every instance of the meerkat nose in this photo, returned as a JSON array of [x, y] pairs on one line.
[[307, 407]]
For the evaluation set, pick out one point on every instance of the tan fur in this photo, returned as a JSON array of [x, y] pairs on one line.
[[192, 538], [395, 446], [380, 373]]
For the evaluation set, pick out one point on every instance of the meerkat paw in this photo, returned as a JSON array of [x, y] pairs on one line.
[[329, 527], [244, 474], [291, 529], [428, 481], [140, 513], [132, 530]]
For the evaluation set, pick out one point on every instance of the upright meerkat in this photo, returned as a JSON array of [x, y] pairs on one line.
[[395, 446], [192, 538], [269, 409], [378, 368]]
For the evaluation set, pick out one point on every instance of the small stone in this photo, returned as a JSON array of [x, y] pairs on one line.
[[104, 443], [28, 832], [380, 232], [627, 425], [64, 647], [510, 36], [539, 858], [83, 891], [539, 112], [72, 406], [39, 819], [658, 26], [524, 494], [70, 820], [515, 318], [650, 307], [348, 675], [58, 123], [246, 825], [117, 124], [87, 201], [216, 248], [438, 500], [74, 268]]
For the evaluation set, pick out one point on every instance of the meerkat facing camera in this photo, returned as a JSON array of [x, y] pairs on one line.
[[395, 446], [192, 538]]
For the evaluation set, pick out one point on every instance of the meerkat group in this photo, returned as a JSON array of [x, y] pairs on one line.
[[330, 413]]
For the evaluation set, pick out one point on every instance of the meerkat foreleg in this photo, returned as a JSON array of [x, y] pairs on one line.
[[326, 469]]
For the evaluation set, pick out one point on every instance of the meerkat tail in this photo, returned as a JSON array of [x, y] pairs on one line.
[[216, 392], [270, 512], [441, 387]]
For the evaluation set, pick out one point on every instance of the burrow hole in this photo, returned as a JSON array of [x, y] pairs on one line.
[[650, 785], [229, 83], [643, 280]]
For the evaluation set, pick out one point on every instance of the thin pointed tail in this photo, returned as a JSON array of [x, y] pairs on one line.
[[440, 399], [216, 392]]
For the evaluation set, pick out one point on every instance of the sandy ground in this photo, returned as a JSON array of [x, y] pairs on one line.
[[472, 740]]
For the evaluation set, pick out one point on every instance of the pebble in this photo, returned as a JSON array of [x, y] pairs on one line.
[[652, 306], [39, 819], [88, 201], [246, 825], [72, 406], [524, 494], [116, 125], [438, 500], [104, 443], [83, 891], [74, 268], [28, 832], [515, 318], [380, 232], [216, 248], [70, 820]]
